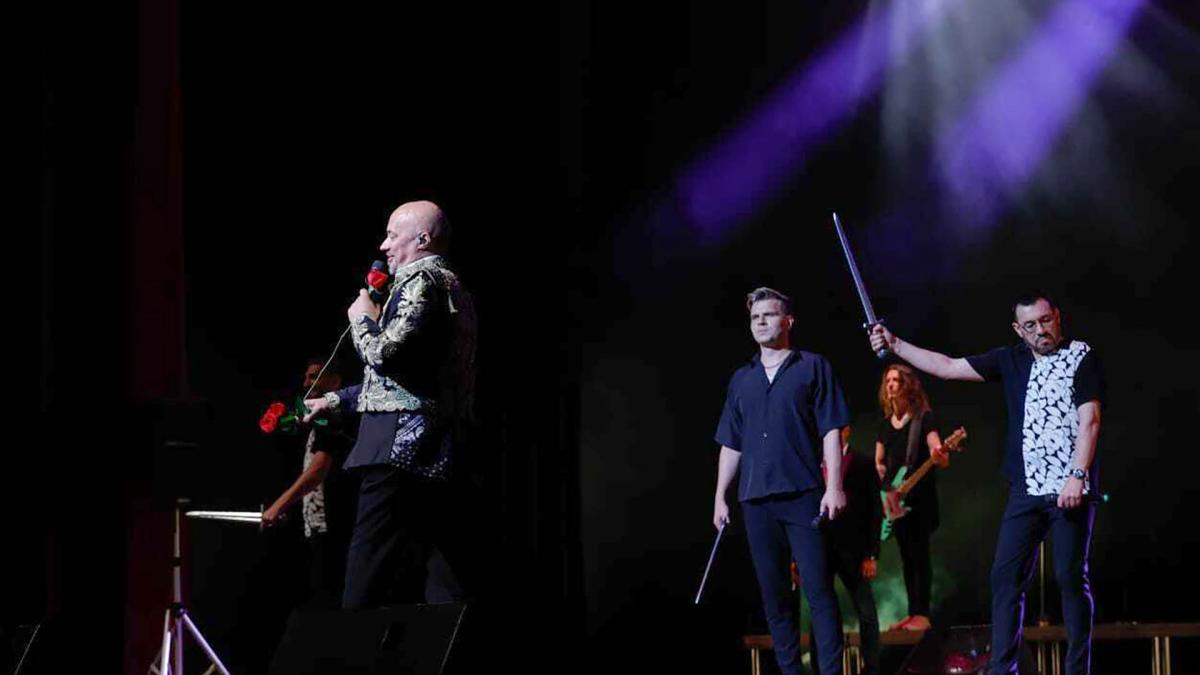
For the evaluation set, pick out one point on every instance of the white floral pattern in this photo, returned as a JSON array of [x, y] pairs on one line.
[[1051, 419], [425, 296], [420, 290], [314, 502]]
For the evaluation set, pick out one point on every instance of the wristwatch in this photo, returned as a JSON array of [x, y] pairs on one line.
[[1078, 473]]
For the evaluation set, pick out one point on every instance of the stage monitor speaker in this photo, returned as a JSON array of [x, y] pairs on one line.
[[958, 651], [401, 640]]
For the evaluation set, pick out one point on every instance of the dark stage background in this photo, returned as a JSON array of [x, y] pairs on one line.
[[215, 179]]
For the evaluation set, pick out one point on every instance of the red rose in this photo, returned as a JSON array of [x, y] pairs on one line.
[[276, 409], [377, 279], [268, 422]]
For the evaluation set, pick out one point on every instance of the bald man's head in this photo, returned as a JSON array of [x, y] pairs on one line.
[[415, 230], [426, 216]]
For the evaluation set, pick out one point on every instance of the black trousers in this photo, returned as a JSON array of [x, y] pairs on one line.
[[848, 567], [1027, 521], [779, 530], [912, 536], [326, 570], [395, 531]]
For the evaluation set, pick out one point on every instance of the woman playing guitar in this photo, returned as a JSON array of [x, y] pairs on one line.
[[908, 435]]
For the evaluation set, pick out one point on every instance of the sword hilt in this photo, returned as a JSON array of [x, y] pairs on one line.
[[868, 326]]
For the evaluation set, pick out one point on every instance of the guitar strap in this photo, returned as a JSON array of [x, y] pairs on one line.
[[914, 438]]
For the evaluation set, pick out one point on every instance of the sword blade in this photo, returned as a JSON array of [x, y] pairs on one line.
[[859, 286], [230, 516], [868, 309]]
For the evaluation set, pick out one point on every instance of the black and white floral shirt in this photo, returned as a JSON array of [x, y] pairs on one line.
[[314, 501], [1051, 420], [1043, 397]]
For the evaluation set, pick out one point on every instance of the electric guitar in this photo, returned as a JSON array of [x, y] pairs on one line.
[[893, 497]]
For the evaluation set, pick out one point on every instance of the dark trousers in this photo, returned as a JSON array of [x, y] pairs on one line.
[[848, 567], [912, 537], [1027, 521], [779, 530], [326, 570], [394, 532]]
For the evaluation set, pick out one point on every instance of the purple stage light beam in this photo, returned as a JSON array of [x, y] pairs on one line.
[[743, 171], [990, 152]]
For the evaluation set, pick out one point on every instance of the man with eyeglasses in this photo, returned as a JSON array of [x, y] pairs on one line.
[[1054, 391]]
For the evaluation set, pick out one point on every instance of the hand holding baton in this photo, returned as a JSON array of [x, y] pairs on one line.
[[708, 567]]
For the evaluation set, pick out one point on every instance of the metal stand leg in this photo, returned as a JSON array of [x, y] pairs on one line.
[[852, 660], [1046, 662], [170, 658], [1154, 659], [845, 654], [177, 669], [1166, 655], [208, 651], [165, 652], [755, 666]]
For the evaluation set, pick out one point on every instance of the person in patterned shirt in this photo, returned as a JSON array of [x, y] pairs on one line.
[[1054, 391], [418, 354], [321, 446]]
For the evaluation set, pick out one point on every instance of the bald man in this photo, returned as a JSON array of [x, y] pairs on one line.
[[418, 353]]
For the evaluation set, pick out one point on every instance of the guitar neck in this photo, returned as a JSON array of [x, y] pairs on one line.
[[910, 482], [952, 443]]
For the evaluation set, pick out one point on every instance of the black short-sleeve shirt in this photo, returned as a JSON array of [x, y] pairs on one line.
[[778, 426], [923, 499]]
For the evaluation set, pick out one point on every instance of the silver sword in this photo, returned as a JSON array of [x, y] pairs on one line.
[[872, 320], [708, 567], [230, 516]]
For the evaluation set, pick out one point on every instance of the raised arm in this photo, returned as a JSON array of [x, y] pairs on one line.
[[925, 360]]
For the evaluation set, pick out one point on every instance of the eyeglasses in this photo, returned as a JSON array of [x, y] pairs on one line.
[[1032, 325]]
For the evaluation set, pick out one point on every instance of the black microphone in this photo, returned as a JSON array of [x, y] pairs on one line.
[[377, 281]]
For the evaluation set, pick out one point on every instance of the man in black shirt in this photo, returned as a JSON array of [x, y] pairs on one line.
[[782, 414], [1054, 391]]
